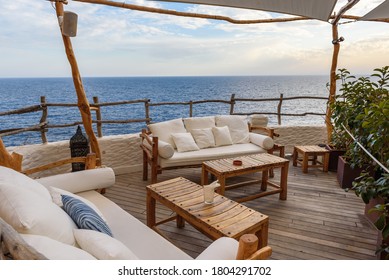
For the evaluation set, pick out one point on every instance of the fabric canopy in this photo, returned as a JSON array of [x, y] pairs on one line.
[[380, 12], [315, 9]]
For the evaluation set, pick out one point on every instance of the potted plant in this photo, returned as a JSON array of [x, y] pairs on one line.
[[354, 97], [365, 114]]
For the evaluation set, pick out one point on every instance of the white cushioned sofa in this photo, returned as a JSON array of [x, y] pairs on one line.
[[190, 141], [33, 209]]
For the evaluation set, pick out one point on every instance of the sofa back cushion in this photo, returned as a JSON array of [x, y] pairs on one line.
[[199, 123], [164, 130], [237, 125]]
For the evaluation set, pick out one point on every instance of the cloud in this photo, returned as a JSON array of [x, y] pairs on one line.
[[113, 41]]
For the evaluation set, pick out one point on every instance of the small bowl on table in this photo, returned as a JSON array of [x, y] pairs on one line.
[[237, 162]]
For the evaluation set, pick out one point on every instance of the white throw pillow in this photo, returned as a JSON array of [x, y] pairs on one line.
[[199, 123], [184, 142], [55, 250], [204, 138], [28, 210], [164, 130], [222, 136], [237, 125], [57, 199], [102, 246]]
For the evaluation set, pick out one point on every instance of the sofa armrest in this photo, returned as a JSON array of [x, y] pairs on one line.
[[165, 150], [261, 140], [224, 248], [91, 179], [269, 131]]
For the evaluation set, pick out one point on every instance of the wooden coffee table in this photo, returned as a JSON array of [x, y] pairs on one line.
[[224, 168], [223, 217]]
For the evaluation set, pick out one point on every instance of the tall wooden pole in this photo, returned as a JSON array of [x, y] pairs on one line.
[[336, 42], [13, 160], [83, 103], [331, 98]]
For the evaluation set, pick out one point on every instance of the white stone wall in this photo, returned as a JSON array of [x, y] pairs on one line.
[[123, 154]]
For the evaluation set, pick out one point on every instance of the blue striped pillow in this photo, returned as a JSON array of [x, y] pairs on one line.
[[83, 215]]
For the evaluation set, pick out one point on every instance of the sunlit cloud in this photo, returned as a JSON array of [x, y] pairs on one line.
[[119, 42]]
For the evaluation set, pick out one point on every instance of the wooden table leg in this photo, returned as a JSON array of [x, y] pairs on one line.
[[222, 182], [326, 159], [150, 204], [295, 156], [265, 176], [204, 175], [305, 162], [180, 222], [284, 181], [262, 235]]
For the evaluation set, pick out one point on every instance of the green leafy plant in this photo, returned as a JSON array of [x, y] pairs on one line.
[[362, 108]]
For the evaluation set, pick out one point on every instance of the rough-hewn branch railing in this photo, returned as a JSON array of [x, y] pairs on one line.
[[96, 106]]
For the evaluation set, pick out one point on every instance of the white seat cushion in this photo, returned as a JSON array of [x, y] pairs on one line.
[[197, 157], [163, 130], [145, 243]]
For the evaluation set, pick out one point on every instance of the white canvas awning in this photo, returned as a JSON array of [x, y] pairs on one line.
[[315, 9], [379, 13]]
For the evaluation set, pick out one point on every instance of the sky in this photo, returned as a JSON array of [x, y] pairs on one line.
[[117, 42]]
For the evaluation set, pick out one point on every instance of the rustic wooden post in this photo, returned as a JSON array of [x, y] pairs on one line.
[[43, 119], [335, 41], [98, 116], [147, 111], [13, 160], [248, 244], [232, 103], [279, 108], [331, 97], [83, 104], [190, 108]]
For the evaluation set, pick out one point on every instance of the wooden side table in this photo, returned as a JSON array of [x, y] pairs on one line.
[[310, 154]]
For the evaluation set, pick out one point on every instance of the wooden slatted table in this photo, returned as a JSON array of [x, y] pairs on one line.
[[223, 217], [310, 154], [224, 168]]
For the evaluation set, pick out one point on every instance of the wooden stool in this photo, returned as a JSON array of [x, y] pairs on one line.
[[310, 153]]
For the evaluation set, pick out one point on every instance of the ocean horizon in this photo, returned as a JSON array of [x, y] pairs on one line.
[[17, 93]]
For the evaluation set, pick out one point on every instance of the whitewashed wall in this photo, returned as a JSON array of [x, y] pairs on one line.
[[123, 154]]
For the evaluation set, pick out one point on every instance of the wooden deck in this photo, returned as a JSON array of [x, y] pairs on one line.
[[319, 220]]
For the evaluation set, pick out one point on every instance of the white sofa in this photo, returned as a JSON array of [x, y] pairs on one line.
[[31, 208], [190, 141]]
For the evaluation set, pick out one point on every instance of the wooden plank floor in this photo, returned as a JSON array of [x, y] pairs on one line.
[[319, 220]]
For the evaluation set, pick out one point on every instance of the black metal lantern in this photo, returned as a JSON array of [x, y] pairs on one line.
[[79, 147]]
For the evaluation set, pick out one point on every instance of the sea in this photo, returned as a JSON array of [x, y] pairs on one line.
[[17, 93]]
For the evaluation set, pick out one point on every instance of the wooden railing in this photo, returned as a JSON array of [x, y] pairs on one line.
[[43, 126]]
